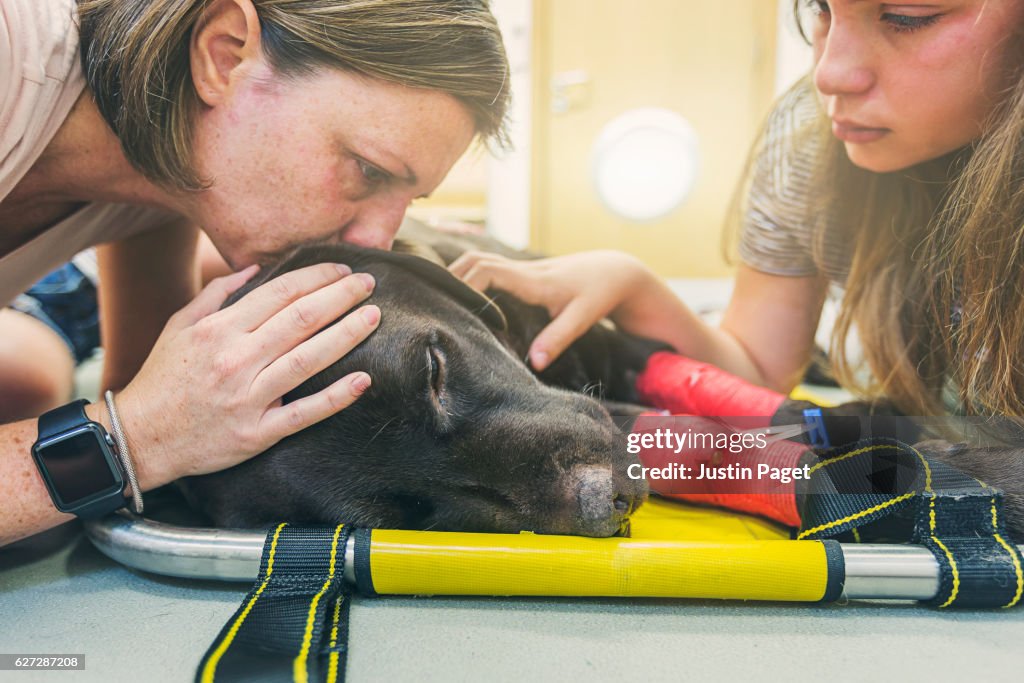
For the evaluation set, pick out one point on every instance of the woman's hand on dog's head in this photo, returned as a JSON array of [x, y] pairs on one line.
[[210, 394]]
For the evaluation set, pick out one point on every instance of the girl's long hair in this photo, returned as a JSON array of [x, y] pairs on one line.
[[935, 288]]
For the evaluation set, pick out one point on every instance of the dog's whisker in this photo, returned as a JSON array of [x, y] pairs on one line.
[[490, 303], [593, 389], [378, 432]]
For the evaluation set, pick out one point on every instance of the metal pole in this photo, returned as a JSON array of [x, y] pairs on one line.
[[873, 571]]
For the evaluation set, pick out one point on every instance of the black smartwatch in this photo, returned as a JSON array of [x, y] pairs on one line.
[[76, 458]]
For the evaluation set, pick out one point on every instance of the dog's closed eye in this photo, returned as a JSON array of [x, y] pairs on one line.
[[436, 379]]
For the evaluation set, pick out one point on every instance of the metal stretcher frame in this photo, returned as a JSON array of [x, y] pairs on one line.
[[444, 563]]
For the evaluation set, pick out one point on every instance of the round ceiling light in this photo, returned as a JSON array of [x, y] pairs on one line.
[[645, 163]]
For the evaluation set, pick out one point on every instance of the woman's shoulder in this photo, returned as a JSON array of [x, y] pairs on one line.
[[38, 42], [40, 80]]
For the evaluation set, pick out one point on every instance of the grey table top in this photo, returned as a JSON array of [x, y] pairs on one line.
[[59, 595]]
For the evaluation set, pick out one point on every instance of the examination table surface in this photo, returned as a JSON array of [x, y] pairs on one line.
[[59, 595]]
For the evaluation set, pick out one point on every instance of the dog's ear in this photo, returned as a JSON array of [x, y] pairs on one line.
[[424, 251], [417, 262], [439, 276], [292, 260]]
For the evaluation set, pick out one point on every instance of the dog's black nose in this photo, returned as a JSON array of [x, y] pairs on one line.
[[602, 510]]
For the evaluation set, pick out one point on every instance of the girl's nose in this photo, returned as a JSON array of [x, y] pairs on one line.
[[845, 64]]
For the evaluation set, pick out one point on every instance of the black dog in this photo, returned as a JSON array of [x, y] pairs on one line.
[[455, 433]]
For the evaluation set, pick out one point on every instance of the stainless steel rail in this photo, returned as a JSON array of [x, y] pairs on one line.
[[873, 571]]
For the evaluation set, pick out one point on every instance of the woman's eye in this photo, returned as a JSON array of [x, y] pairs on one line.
[[903, 23], [371, 174]]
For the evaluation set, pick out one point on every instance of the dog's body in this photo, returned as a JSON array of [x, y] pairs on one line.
[[455, 433]]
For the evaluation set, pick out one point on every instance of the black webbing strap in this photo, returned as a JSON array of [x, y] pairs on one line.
[[883, 489], [293, 624]]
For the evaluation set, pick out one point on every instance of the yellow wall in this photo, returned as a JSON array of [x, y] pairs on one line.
[[713, 63]]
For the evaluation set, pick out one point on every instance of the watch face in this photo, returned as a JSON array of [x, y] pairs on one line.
[[78, 465]]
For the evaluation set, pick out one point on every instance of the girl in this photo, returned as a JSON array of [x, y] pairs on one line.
[[897, 170], [268, 123]]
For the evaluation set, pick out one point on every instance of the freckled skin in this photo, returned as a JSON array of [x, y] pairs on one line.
[[932, 88], [283, 156]]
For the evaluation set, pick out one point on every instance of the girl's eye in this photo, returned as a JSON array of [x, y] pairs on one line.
[[371, 174], [821, 15], [819, 8], [903, 23]]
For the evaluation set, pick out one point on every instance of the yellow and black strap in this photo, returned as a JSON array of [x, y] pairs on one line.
[[293, 624], [886, 490]]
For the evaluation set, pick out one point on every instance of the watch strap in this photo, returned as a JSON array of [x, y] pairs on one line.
[[100, 508], [63, 419]]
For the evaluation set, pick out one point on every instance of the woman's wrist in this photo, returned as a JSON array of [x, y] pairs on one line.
[[150, 474]]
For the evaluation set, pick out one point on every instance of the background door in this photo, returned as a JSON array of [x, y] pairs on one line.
[[711, 62]]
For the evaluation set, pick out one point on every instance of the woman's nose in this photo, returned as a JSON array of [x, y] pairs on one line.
[[375, 225], [844, 65]]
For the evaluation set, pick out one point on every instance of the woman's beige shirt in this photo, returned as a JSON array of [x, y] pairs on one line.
[[40, 80]]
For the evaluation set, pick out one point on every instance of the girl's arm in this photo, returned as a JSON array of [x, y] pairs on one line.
[[771, 321], [766, 336]]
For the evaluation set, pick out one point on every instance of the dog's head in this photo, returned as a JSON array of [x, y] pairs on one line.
[[455, 433]]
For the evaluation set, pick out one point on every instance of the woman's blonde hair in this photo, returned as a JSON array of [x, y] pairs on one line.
[[136, 59], [936, 281]]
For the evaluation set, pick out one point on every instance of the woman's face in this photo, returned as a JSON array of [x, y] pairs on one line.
[[325, 157], [907, 82]]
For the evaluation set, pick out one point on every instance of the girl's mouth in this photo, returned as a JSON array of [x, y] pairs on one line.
[[851, 132]]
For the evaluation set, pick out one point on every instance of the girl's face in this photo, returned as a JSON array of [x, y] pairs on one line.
[[325, 157], [907, 82]]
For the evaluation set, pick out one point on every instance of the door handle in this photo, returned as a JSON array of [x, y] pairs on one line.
[[563, 84]]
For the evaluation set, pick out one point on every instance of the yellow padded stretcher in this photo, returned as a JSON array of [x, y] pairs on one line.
[[676, 550]]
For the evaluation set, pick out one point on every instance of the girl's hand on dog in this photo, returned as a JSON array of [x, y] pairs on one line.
[[578, 290], [209, 395]]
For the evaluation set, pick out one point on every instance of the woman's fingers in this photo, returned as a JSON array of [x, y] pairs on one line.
[[285, 420], [316, 354], [213, 296], [273, 296], [219, 375], [305, 316]]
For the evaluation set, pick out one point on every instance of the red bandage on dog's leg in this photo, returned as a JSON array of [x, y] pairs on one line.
[[757, 493], [684, 386]]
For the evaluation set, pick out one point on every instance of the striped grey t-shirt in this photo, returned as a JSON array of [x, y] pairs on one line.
[[777, 230]]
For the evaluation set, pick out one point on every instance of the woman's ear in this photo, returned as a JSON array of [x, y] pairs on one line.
[[225, 38]]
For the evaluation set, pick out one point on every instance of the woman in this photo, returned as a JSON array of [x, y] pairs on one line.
[[127, 122], [895, 170]]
